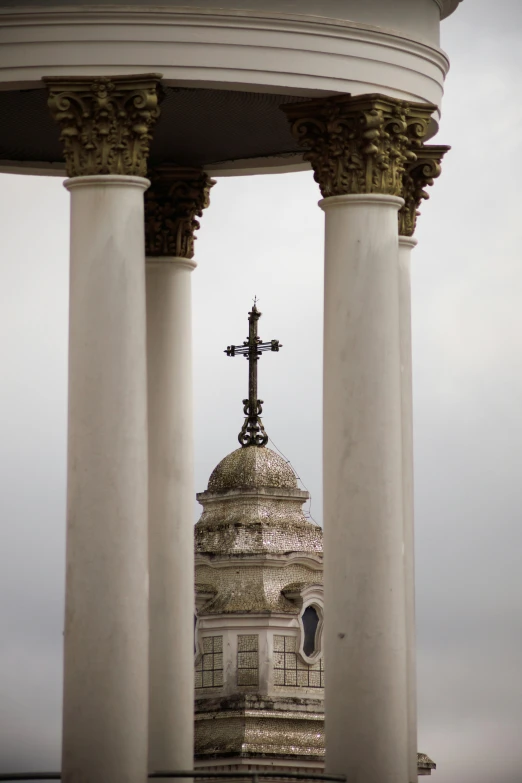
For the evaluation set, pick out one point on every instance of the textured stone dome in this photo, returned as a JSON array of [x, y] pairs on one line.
[[252, 467]]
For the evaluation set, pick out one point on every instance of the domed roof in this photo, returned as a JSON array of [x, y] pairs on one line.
[[252, 467]]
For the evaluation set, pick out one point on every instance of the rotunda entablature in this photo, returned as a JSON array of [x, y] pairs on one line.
[[225, 71]]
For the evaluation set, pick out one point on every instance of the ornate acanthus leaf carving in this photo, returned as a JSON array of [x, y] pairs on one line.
[[417, 177], [177, 197], [106, 122], [359, 144]]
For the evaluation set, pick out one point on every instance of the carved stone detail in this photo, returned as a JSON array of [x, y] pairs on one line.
[[106, 122], [177, 197], [361, 144], [417, 177]]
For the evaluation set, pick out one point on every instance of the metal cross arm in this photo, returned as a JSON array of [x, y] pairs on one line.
[[252, 432], [244, 350]]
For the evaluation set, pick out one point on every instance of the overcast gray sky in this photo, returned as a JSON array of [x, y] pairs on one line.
[[263, 235]]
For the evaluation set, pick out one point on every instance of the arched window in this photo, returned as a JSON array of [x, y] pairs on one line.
[[310, 619], [309, 600]]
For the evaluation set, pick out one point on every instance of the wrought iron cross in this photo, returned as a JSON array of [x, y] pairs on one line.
[[252, 432]]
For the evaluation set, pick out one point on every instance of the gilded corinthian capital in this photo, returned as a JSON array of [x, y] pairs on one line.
[[360, 144], [106, 122], [419, 174], [176, 198]]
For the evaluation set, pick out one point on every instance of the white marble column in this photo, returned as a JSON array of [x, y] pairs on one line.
[[171, 513], [176, 198], [106, 624], [365, 645], [361, 148], [406, 244], [106, 130], [421, 172]]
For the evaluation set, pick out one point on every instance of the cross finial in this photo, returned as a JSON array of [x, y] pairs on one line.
[[252, 432]]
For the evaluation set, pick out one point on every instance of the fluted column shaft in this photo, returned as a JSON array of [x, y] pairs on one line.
[[106, 612], [176, 197]]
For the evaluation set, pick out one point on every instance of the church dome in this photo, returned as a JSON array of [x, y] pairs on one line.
[[252, 467]]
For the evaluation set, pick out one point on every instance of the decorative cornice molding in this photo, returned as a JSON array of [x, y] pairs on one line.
[[257, 493], [419, 174], [360, 144], [311, 560], [106, 122], [177, 197]]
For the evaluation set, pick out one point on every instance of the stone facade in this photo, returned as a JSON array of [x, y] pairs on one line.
[[259, 697], [258, 565]]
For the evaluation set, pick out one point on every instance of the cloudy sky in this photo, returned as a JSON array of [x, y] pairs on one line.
[[263, 235]]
